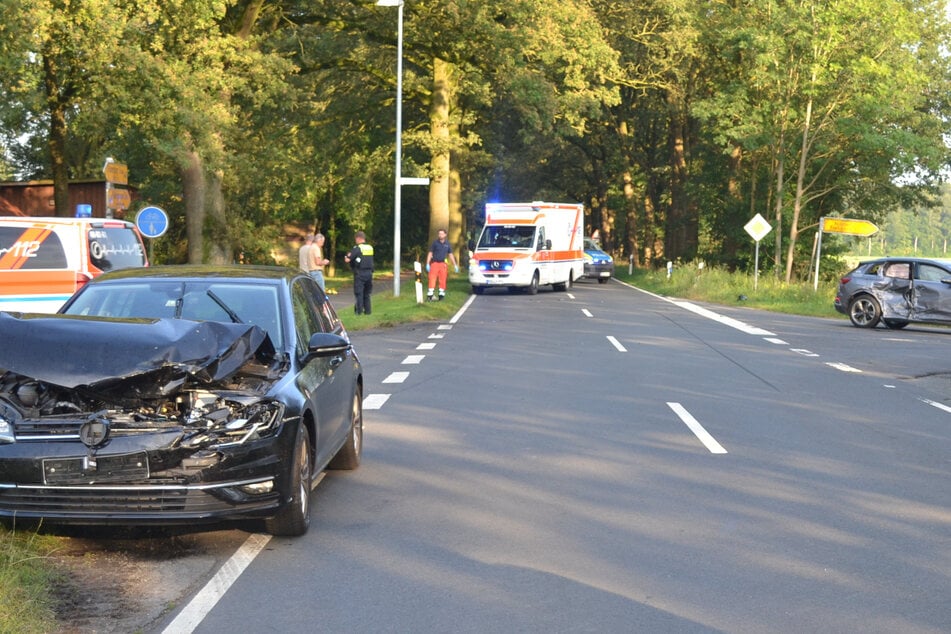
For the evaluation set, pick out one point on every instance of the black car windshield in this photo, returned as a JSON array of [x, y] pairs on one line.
[[255, 304]]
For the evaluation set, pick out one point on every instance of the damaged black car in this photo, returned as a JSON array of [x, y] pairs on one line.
[[176, 395]]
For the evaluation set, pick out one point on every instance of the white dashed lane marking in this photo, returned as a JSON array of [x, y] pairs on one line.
[[375, 401], [708, 441], [616, 344], [396, 377]]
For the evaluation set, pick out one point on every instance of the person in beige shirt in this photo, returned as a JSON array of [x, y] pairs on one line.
[[319, 260], [306, 257]]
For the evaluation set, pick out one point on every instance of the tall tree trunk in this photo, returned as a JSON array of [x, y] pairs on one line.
[[630, 202], [778, 216], [216, 221], [193, 195], [440, 164], [800, 184], [630, 216], [681, 229], [57, 140], [457, 219]]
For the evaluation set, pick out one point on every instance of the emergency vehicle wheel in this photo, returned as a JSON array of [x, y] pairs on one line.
[[532, 289], [478, 290]]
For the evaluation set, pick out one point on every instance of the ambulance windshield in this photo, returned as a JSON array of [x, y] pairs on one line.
[[510, 236]]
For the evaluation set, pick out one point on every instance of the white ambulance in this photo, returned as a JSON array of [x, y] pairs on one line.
[[45, 260], [527, 245]]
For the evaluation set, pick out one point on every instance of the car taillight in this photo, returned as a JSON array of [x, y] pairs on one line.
[[81, 279], [845, 280]]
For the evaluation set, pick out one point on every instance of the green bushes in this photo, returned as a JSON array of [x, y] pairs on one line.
[[719, 286]]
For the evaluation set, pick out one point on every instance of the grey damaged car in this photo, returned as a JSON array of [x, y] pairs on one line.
[[896, 292], [176, 395]]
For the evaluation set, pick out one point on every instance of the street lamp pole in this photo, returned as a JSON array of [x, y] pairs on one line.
[[399, 141]]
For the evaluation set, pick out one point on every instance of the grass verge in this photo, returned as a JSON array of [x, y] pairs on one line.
[[718, 286], [26, 579], [388, 310]]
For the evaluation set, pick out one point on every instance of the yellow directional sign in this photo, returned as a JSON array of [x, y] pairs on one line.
[[116, 173], [849, 226], [118, 198]]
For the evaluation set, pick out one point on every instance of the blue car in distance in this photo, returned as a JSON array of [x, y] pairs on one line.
[[597, 264]]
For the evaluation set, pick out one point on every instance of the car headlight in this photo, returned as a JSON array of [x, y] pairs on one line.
[[7, 424], [6, 432], [236, 424]]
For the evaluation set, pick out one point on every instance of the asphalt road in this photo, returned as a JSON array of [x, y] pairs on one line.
[[604, 460]]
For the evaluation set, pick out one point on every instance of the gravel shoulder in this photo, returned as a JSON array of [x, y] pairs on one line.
[[125, 581]]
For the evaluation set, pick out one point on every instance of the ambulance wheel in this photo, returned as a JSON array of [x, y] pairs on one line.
[[532, 289], [478, 290]]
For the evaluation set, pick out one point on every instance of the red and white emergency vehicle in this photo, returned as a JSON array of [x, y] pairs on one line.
[[527, 245], [45, 260]]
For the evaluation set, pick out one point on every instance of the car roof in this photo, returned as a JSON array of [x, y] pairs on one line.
[[242, 272], [897, 258]]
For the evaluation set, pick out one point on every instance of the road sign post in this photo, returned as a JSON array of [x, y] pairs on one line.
[[152, 222], [758, 228]]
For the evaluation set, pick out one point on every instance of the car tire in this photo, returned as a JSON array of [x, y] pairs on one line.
[[603, 280], [294, 518], [532, 288], [865, 311], [478, 290], [348, 456], [895, 324]]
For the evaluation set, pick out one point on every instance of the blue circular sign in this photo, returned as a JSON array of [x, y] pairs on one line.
[[152, 222]]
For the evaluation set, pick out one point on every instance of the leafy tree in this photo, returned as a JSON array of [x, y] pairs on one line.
[[55, 56]]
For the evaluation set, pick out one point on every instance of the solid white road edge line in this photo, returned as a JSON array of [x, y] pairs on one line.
[[462, 310], [202, 603], [709, 314], [708, 441], [940, 406]]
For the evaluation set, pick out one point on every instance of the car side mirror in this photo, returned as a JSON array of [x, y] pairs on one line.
[[326, 344], [947, 281]]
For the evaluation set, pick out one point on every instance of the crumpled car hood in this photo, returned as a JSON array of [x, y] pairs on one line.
[[128, 358]]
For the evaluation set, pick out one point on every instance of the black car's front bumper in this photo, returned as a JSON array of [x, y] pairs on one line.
[[139, 483], [599, 270]]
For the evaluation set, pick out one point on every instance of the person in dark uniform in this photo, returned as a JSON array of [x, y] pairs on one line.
[[436, 267], [360, 259]]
